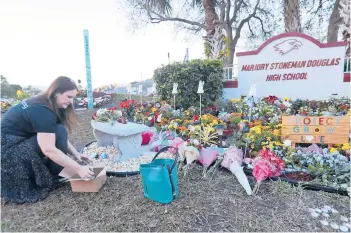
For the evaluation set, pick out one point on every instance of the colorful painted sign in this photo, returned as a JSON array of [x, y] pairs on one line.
[[88, 69], [295, 65], [322, 129]]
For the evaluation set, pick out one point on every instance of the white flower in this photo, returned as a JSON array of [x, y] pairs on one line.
[[159, 118], [287, 143], [196, 142], [287, 104], [191, 128], [150, 118], [101, 111]]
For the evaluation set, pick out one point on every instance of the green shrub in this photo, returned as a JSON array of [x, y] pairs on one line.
[[188, 75]]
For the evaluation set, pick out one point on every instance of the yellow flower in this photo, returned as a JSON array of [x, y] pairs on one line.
[[252, 146], [345, 146], [286, 99], [19, 92], [256, 129], [236, 100], [271, 146], [269, 139], [332, 150], [276, 132]]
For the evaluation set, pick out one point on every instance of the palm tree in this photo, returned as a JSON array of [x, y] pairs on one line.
[[211, 17]]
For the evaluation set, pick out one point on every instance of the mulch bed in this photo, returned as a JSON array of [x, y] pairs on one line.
[[217, 204]]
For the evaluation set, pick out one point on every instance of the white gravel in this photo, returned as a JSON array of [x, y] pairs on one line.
[[130, 165]]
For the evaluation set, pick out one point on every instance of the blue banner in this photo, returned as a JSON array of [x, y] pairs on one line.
[[88, 69]]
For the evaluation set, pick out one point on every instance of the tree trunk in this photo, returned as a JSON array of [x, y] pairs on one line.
[[211, 16], [344, 12], [231, 49], [334, 22], [346, 37], [292, 16]]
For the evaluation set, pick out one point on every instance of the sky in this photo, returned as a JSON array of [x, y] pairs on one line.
[[43, 39]]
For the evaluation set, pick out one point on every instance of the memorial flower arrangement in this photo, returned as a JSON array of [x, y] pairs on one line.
[[314, 160], [237, 105], [4, 106], [260, 137], [109, 115], [147, 114], [266, 165], [20, 95], [326, 166], [128, 107], [344, 149]]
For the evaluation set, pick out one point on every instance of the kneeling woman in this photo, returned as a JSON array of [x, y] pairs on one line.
[[34, 143]]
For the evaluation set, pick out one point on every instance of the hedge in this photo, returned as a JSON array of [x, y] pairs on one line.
[[188, 75]]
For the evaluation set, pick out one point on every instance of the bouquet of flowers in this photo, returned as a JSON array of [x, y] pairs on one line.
[[266, 165], [5, 106], [109, 115], [128, 107]]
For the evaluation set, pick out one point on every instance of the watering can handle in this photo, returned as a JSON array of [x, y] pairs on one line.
[[165, 149]]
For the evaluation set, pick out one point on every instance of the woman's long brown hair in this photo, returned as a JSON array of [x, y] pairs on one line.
[[59, 85]]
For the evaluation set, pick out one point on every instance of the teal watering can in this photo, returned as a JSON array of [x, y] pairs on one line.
[[160, 178]]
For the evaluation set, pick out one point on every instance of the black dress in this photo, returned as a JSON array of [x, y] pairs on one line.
[[27, 175]]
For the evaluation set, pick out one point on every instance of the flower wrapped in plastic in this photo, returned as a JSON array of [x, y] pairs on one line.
[[233, 160], [266, 165], [208, 156], [178, 143]]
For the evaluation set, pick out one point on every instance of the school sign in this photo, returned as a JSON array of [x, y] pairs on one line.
[[294, 65]]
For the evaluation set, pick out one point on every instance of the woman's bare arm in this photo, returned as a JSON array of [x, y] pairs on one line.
[[46, 143], [71, 149]]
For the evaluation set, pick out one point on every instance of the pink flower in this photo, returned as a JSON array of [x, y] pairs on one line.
[[208, 156], [247, 160], [226, 162], [262, 170], [232, 155], [176, 143], [275, 161]]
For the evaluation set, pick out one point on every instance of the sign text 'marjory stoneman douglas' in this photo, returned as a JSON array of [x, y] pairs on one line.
[[290, 65]]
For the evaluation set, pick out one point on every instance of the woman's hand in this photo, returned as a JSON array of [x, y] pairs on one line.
[[85, 172], [82, 158]]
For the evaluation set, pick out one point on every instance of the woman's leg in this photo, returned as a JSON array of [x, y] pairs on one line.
[[24, 176], [61, 144]]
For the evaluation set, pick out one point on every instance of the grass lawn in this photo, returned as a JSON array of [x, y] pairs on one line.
[[220, 204]]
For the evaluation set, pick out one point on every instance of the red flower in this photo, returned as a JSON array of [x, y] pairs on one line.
[[94, 116], [196, 118], [270, 99], [344, 106], [156, 114], [124, 104], [131, 101]]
